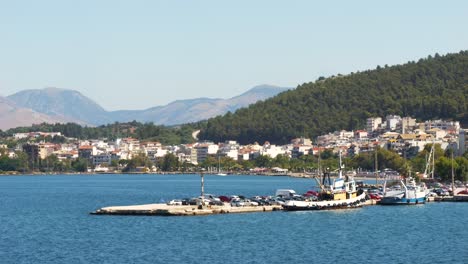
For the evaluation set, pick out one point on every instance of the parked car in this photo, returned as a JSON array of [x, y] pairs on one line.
[[248, 202], [193, 201], [214, 202], [174, 202], [237, 203], [375, 196], [441, 192], [186, 201]]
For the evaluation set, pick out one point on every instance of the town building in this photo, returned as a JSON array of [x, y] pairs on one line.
[[373, 123]]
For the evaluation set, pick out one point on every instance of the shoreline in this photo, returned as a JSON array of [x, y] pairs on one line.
[[291, 175]]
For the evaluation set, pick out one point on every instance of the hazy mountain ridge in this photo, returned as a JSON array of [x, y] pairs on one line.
[[11, 115], [72, 106], [57, 102]]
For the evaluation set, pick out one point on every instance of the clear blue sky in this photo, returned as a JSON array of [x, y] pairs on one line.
[[138, 54]]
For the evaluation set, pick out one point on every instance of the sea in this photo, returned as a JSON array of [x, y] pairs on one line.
[[46, 219]]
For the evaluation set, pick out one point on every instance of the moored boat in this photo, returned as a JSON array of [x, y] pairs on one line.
[[340, 193], [409, 193]]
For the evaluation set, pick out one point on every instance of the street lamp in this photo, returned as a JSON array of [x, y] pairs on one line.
[[202, 176]]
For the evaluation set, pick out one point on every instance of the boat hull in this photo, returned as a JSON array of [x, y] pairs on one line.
[[402, 201], [325, 205]]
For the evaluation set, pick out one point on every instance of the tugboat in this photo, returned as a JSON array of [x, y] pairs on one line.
[[340, 193], [410, 193]]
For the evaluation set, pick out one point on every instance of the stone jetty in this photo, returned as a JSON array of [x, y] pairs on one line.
[[182, 210]]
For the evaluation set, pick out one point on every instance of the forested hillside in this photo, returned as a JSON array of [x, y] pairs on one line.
[[432, 88], [147, 131]]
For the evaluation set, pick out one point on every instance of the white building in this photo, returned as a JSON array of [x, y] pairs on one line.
[[205, 149], [393, 121], [442, 124], [229, 149], [373, 123], [104, 158], [272, 151]]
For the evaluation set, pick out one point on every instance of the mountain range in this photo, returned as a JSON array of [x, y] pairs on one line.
[[12, 115], [55, 105]]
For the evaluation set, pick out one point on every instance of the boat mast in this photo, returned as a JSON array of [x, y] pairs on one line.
[[319, 166], [430, 163], [453, 178], [318, 161], [340, 170], [376, 167]]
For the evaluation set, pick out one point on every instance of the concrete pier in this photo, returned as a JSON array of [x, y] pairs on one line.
[[182, 210]]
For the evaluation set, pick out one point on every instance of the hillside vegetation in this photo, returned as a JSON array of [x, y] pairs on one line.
[[142, 131], [432, 88]]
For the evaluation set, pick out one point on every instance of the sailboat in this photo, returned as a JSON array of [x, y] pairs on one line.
[[219, 168], [340, 193]]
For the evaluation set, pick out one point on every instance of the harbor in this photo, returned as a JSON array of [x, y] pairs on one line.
[[60, 220], [183, 210], [189, 210]]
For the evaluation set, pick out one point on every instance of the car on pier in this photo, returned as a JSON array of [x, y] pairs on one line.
[[175, 202]]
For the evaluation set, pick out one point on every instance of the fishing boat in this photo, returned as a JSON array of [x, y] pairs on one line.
[[408, 192], [339, 193]]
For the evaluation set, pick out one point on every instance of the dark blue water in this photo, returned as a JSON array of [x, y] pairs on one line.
[[44, 219]]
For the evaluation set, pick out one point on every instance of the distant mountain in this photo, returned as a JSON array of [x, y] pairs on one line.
[[62, 104], [11, 115], [432, 88], [192, 110]]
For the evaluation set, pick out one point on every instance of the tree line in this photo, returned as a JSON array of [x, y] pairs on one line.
[[143, 131]]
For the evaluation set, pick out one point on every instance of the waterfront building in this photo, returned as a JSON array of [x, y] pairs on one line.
[[87, 151], [272, 150], [47, 149], [102, 159], [205, 149], [230, 149]]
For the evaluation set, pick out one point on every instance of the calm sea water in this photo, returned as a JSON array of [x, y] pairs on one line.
[[45, 219]]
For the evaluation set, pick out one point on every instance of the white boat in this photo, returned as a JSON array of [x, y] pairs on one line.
[[219, 169], [341, 193], [409, 193]]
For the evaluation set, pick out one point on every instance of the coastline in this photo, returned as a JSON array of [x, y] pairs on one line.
[[291, 175]]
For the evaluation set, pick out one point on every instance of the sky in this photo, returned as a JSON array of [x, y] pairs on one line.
[[138, 54]]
